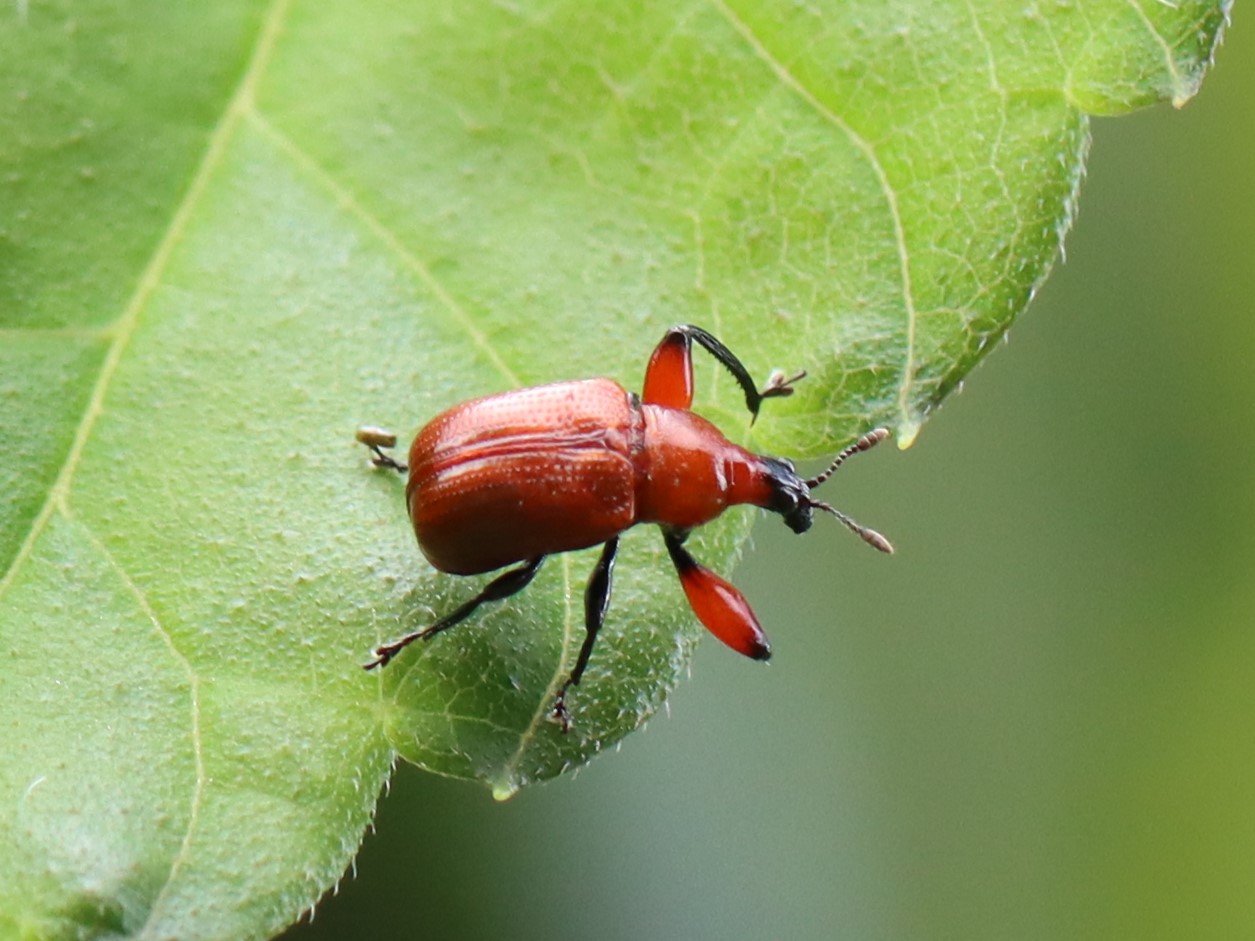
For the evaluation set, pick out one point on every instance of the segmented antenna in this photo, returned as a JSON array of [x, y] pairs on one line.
[[869, 536], [865, 443]]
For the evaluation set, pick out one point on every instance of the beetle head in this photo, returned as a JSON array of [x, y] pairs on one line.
[[792, 499], [790, 496]]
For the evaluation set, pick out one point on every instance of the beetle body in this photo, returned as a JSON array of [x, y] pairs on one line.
[[515, 477], [566, 466]]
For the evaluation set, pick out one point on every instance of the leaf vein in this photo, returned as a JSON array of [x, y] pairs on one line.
[[198, 756], [215, 151], [124, 327], [1180, 87], [350, 203], [528, 735], [868, 152], [122, 330]]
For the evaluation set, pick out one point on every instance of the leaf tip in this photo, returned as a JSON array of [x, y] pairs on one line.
[[502, 791], [908, 431]]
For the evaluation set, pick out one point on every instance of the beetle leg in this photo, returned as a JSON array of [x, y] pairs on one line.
[[669, 375], [717, 604], [778, 385], [596, 603], [375, 439], [503, 586]]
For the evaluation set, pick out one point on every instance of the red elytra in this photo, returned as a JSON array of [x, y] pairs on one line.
[[515, 477]]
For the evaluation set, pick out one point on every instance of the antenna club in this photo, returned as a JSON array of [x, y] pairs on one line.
[[873, 437], [869, 536], [877, 541]]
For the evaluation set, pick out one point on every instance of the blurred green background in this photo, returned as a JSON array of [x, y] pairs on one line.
[[1036, 721]]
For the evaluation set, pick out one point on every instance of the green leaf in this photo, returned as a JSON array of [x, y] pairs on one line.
[[231, 233]]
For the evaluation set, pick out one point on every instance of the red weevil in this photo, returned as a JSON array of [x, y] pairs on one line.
[[515, 477]]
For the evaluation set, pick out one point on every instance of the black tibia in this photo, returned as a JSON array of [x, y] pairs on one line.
[[777, 385], [596, 602]]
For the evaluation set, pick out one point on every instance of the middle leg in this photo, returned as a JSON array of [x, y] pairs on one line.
[[596, 603]]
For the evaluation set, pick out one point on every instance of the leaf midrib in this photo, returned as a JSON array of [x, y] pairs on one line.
[[241, 106], [124, 327]]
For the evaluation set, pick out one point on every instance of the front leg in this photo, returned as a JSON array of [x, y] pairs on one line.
[[718, 604], [669, 375]]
